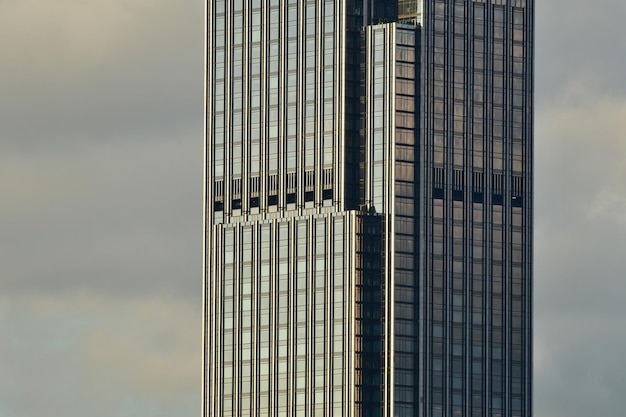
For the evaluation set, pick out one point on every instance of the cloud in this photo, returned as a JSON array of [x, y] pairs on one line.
[[579, 37], [577, 365], [117, 218], [71, 38], [87, 354], [580, 196], [580, 241], [580, 146], [101, 207], [76, 71], [101, 168]]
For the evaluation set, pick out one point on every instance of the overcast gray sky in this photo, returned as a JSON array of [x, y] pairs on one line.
[[101, 207]]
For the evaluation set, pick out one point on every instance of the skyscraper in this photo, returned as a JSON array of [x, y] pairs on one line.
[[368, 222]]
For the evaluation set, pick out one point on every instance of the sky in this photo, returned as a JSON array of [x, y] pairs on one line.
[[101, 208]]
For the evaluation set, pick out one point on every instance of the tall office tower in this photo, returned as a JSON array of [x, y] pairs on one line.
[[368, 239]]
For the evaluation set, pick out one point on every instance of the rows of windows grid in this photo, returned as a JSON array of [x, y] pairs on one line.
[[406, 393], [460, 110], [230, 144], [240, 253], [457, 398], [264, 312]]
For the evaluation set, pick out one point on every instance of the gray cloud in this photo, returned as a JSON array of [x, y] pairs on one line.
[[102, 136], [580, 236], [110, 218], [579, 38], [117, 71], [99, 356], [578, 365], [101, 208]]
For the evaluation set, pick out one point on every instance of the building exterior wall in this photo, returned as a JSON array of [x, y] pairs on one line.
[[368, 221], [391, 127], [293, 317], [410, 11], [476, 189], [282, 87]]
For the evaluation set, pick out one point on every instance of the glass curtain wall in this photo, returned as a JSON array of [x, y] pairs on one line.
[[390, 112], [296, 314], [368, 222], [476, 142]]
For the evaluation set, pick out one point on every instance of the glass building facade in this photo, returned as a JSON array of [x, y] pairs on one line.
[[368, 208]]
